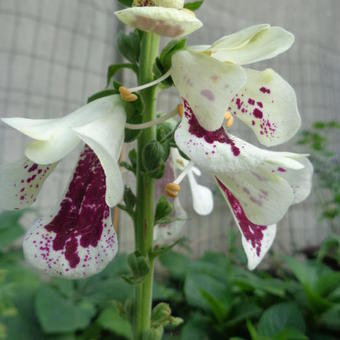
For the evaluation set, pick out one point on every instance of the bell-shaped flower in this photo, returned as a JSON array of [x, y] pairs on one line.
[[212, 81], [258, 185], [177, 168], [78, 239], [165, 17]]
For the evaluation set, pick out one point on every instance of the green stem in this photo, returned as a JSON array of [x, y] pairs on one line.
[[145, 188]]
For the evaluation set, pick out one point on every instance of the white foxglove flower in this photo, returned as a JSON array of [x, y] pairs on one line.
[[258, 185], [78, 239], [212, 81], [202, 199], [164, 17]]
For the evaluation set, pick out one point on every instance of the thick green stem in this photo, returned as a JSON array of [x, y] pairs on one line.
[[145, 189]]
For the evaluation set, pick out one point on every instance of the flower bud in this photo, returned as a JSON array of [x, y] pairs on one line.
[[160, 3]]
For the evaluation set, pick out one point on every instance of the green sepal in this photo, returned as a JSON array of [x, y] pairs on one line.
[[161, 317], [163, 209], [154, 333], [194, 5], [153, 155], [101, 94], [114, 68], [133, 116], [169, 50], [140, 267], [129, 45], [129, 198]]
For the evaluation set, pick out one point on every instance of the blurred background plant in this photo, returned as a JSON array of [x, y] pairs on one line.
[[215, 295]]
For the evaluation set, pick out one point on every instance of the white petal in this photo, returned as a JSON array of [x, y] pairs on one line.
[[207, 84], [105, 136], [268, 105], [300, 179], [79, 239], [238, 39], [20, 183], [202, 197], [216, 151], [264, 195], [256, 239], [168, 22], [166, 234], [54, 138], [255, 44]]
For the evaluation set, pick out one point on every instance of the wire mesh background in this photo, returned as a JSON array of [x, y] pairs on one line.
[[54, 54]]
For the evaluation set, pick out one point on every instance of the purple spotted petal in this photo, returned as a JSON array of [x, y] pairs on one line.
[[256, 239], [79, 240], [20, 183]]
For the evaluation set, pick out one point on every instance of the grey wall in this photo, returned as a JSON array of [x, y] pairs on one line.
[[53, 54]]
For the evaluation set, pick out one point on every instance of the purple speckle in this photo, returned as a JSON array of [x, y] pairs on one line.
[[252, 232], [210, 137], [208, 94]]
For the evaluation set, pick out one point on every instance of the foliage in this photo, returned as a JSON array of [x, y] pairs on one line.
[[326, 166], [215, 296]]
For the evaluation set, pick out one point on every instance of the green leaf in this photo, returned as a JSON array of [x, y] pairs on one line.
[[127, 3], [10, 227], [195, 283], [101, 94], [65, 316], [196, 327], [169, 50], [129, 45], [279, 317], [113, 69], [176, 263], [8, 236], [194, 5], [111, 320], [129, 198], [163, 209]]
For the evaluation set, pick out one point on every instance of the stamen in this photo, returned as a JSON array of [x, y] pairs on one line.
[[229, 119], [127, 95], [180, 110], [172, 190], [153, 83], [151, 122]]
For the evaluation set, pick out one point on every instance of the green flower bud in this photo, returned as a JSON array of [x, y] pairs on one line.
[[153, 156]]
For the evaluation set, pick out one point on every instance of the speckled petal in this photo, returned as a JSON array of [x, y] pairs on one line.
[[20, 183], [207, 84], [218, 151], [256, 239], [264, 196], [79, 239], [268, 105], [300, 180], [255, 43], [105, 136], [168, 22]]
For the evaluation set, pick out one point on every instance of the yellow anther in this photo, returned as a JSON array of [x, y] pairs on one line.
[[229, 119], [180, 110], [172, 189], [126, 94], [180, 162]]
